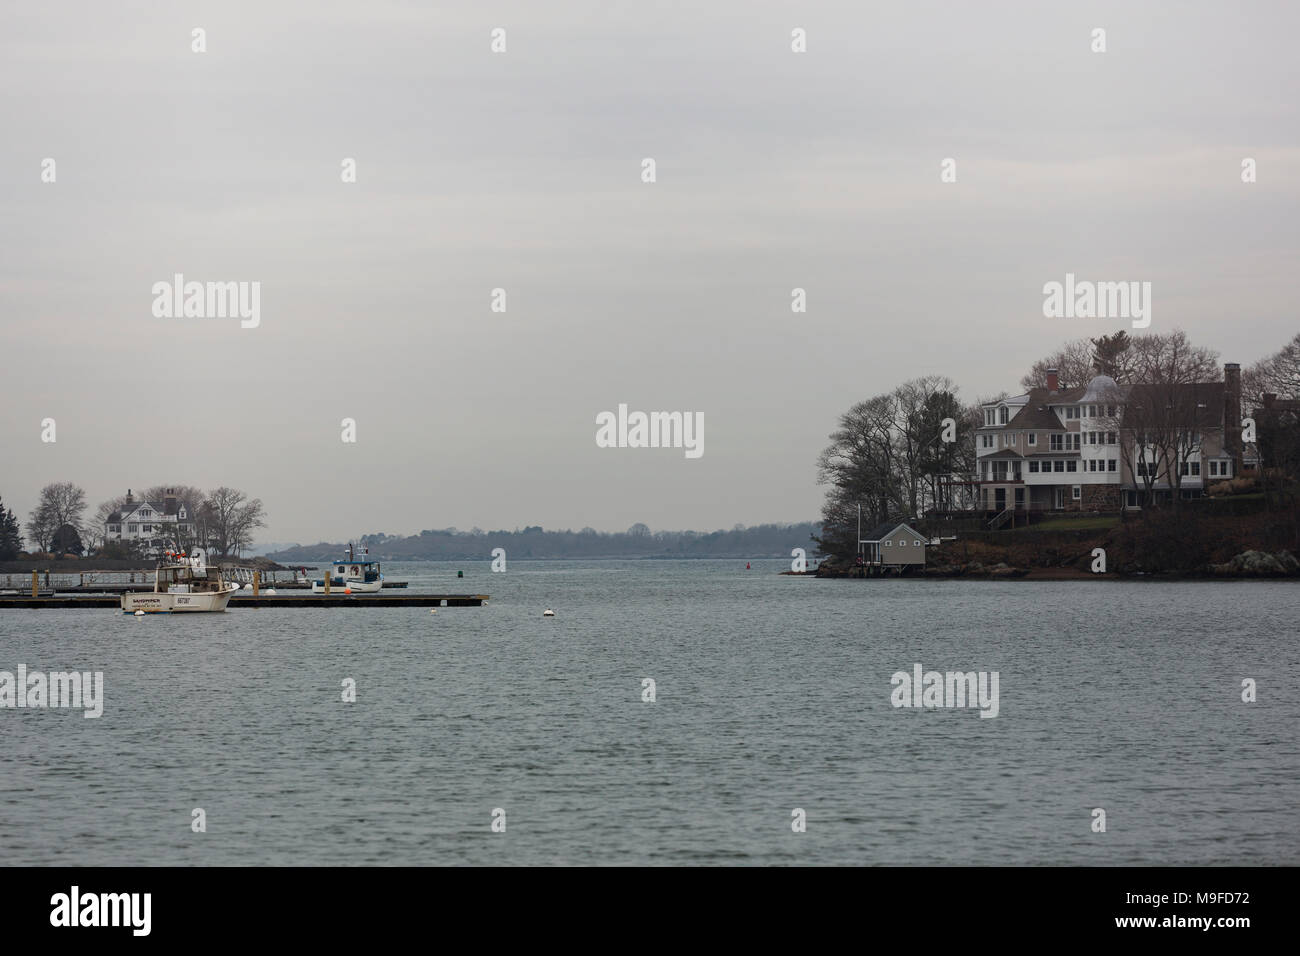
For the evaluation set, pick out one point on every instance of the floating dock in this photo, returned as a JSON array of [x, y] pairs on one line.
[[265, 600]]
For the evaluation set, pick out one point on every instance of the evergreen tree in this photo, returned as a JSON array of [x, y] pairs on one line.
[[11, 541]]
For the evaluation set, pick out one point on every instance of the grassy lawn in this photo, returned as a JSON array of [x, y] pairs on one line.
[[1085, 523]]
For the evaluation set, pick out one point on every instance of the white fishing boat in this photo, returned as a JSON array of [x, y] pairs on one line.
[[357, 575], [183, 584]]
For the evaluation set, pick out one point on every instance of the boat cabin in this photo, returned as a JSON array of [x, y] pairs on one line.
[[344, 573], [353, 571], [182, 579]]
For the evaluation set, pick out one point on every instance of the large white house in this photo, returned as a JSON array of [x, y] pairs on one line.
[[1081, 449], [153, 524]]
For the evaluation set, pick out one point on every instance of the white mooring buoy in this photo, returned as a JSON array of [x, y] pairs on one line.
[[548, 613], [433, 610], [139, 613]]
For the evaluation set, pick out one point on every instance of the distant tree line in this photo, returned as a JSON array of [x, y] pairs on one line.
[[448, 544]]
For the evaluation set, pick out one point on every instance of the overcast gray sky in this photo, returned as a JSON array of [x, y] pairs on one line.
[[522, 170]]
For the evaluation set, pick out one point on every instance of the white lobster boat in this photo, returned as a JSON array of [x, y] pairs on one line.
[[182, 585], [355, 575]]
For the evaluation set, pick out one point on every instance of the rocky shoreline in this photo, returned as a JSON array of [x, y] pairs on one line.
[[1246, 565]]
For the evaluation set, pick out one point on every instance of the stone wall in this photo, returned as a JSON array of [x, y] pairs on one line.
[[1101, 498]]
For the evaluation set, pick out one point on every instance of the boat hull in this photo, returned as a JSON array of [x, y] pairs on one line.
[[356, 587], [191, 603]]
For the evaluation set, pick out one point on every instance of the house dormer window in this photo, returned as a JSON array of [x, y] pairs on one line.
[[1002, 415]]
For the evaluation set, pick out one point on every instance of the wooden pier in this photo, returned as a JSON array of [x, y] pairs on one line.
[[264, 601], [72, 589]]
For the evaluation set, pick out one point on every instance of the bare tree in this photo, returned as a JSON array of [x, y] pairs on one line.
[[1171, 358], [919, 407], [191, 496], [247, 520], [1132, 422], [966, 460], [859, 465], [1072, 361], [1278, 374], [96, 535], [228, 518], [1078, 361], [1162, 419], [61, 503]]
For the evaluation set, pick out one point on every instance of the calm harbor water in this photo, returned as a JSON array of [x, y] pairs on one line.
[[773, 693]]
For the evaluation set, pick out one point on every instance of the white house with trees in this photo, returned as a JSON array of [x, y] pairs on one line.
[[152, 524]]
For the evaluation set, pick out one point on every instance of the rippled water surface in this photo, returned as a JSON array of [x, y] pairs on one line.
[[773, 693]]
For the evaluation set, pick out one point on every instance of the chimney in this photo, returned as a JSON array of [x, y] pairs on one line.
[[1053, 380], [129, 499], [169, 502], [1232, 414]]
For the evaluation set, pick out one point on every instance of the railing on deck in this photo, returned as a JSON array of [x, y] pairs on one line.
[[141, 579]]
